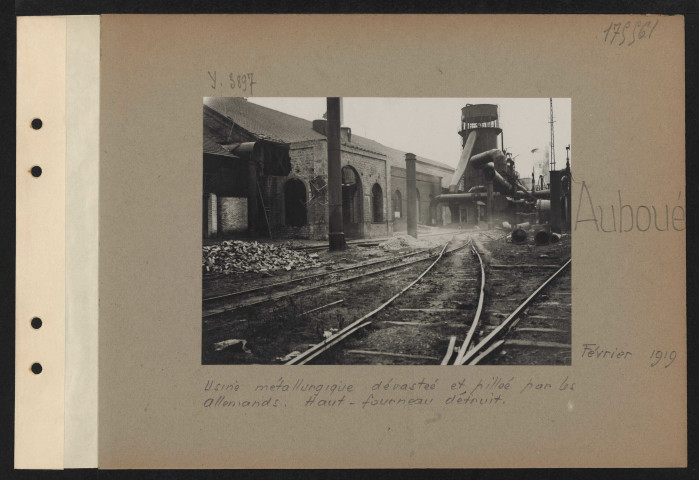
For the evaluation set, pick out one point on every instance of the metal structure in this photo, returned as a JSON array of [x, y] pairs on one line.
[[484, 171], [553, 149], [336, 234]]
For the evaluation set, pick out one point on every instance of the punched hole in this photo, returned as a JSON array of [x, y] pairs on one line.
[[36, 368], [37, 123], [36, 323], [36, 171]]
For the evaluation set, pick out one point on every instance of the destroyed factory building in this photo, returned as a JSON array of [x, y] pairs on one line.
[[265, 173]]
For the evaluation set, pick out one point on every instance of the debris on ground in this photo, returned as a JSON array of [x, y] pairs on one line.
[[237, 256], [404, 241], [288, 357], [329, 333], [233, 342]]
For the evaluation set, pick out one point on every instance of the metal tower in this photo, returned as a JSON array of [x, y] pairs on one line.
[[553, 149]]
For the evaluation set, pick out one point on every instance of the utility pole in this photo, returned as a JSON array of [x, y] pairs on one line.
[[411, 185], [336, 234], [553, 148]]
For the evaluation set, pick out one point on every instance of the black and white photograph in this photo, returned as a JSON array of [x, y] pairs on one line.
[[386, 231]]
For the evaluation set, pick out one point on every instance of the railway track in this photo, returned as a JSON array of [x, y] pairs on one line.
[[219, 304], [296, 316], [461, 308], [375, 241], [536, 332], [432, 318], [405, 329]]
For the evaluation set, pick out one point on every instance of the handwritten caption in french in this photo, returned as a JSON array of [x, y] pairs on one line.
[[470, 391], [386, 391]]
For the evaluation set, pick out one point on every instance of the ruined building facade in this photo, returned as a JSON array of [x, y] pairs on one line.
[[265, 172]]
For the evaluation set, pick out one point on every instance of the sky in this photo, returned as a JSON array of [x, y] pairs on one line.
[[429, 126]]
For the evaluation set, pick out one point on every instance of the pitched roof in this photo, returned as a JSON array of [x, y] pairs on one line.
[[263, 122], [268, 124], [396, 157], [211, 146]]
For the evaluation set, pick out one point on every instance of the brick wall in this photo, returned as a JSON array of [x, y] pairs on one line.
[[233, 214], [309, 164], [429, 186]]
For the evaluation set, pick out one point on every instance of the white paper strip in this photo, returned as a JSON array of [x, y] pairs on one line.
[[82, 173]]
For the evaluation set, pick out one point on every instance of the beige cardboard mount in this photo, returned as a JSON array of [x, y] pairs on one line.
[[120, 98]]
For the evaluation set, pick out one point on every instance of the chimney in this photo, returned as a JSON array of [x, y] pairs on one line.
[[321, 126], [346, 134]]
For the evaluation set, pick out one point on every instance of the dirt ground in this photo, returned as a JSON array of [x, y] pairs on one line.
[[548, 320], [275, 329], [449, 293]]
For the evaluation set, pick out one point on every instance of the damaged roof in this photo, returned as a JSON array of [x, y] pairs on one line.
[[212, 147], [273, 125], [264, 123]]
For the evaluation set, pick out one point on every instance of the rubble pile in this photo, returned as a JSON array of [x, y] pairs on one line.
[[236, 256], [399, 242]]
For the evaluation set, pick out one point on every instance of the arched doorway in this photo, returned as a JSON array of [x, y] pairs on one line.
[[294, 203], [352, 214]]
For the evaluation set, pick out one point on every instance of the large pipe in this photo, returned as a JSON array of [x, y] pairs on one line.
[[336, 234], [245, 149], [543, 205], [446, 197], [463, 161], [542, 237], [536, 194], [252, 152], [518, 236], [492, 175], [412, 193], [495, 156]]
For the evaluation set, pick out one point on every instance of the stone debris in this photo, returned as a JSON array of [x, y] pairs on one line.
[[288, 357], [404, 241], [329, 333], [233, 342], [237, 256]]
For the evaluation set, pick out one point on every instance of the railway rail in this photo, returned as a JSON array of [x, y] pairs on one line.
[[457, 310], [390, 320], [497, 337], [220, 304], [471, 350], [304, 278], [358, 324], [376, 241], [520, 330]]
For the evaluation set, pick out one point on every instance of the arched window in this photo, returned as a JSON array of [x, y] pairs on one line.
[[295, 203], [397, 204], [376, 203], [417, 199]]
